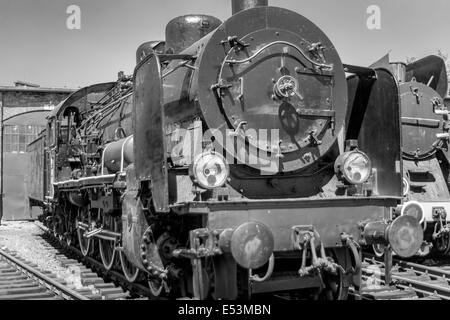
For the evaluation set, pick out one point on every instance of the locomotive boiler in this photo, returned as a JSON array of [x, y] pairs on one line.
[[237, 160]]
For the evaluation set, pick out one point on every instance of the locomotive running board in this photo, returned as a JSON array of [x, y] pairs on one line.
[[87, 182]]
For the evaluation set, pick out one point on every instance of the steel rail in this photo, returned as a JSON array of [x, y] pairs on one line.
[[43, 279], [428, 270], [420, 286]]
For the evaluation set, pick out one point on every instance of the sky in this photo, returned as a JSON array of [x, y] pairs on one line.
[[37, 46]]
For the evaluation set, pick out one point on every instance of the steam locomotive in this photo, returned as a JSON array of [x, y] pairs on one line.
[[237, 160], [423, 85]]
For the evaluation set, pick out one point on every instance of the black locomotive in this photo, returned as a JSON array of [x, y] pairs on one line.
[[423, 85], [237, 160]]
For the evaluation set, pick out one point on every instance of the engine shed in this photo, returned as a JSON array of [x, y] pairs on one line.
[[23, 111]]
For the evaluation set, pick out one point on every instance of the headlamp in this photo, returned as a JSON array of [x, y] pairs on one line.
[[210, 170], [354, 166]]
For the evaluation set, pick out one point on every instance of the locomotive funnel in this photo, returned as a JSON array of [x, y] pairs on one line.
[[239, 5]]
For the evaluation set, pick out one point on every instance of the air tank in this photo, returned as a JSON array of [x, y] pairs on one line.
[[183, 31], [116, 152]]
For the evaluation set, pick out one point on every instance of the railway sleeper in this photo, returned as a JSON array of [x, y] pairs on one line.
[[388, 293], [105, 285], [17, 285], [108, 291], [12, 291], [117, 296], [29, 296], [89, 281], [12, 278], [9, 274]]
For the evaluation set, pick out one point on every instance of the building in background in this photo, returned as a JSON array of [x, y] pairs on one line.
[[24, 107]]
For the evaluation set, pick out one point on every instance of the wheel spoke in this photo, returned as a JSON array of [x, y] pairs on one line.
[[84, 242], [130, 271], [107, 247]]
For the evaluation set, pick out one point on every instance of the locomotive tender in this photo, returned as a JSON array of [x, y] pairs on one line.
[[237, 160]]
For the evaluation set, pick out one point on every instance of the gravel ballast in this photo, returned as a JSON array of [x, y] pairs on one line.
[[24, 237]]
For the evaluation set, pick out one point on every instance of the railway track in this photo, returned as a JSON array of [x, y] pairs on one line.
[[22, 280], [109, 284], [409, 281]]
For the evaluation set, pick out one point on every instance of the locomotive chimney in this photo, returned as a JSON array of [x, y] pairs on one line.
[[399, 69], [239, 5]]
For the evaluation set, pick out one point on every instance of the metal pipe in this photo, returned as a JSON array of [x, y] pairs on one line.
[[240, 5], [2, 158]]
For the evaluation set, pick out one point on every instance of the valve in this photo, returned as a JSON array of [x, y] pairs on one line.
[[313, 141]]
